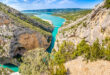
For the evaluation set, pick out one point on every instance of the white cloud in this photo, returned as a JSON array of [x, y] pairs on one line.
[[25, 0], [9, 1], [45, 4], [64, 1], [49, 1]]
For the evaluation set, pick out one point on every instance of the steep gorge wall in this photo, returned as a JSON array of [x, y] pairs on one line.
[[96, 25], [16, 38]]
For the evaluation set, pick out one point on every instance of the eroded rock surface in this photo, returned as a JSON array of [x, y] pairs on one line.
[[19, 33], [95, 25]]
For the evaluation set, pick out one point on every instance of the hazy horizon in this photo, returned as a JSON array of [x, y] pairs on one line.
[[59, 8]]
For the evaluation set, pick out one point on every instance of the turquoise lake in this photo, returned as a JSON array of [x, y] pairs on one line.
[[10, 66], [57, 23]]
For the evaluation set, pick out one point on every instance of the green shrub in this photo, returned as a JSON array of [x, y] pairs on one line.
[[61, 70], [89, 52], [65, 52], [82, 50], [107, 4], [85, 24], [96, 51], [35, 62]]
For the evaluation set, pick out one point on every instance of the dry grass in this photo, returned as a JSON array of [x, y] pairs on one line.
[[80, 67]]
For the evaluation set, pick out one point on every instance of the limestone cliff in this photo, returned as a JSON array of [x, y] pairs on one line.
[[95, 25], [19, 33]]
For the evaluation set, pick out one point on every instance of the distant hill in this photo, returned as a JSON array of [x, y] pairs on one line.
[[54, 10]]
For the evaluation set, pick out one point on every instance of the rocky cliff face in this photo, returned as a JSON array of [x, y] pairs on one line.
[[19, 33], [94, 26]]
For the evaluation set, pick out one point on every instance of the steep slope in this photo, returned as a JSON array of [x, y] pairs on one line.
[[84, 45], [19, 33], [95, 25]]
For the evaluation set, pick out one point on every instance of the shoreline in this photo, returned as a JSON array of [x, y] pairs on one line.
[[45, 20], [48, 21]]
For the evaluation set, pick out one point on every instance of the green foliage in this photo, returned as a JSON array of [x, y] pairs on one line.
[[2, 51], [89, 52], [73, 16], [96, 52], [61, 70], [85, 24], [82, 49], [92, 53], [64, 53], [107, 50], [107, 4], [106, 41], [35, 62]]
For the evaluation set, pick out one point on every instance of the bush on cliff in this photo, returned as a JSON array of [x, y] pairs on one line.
[[65, 51], [35, 62], [107, 4], [60, 70], [89, 52]]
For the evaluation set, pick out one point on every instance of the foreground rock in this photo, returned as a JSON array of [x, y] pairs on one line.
[[15, 73]]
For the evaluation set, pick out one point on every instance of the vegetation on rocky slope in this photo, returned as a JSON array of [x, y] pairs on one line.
[[39, 62], [73, 16], [107, 4], [5, 71], [23, 20], [34, 62], [89, 52]]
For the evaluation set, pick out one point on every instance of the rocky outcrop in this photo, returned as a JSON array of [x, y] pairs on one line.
[[19, 33], [26, 39], [94, 26]]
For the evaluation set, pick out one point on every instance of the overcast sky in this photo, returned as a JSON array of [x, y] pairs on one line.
[[47, 4]]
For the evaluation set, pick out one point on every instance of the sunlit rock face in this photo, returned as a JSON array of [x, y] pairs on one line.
[[26, 39], [97, 27]]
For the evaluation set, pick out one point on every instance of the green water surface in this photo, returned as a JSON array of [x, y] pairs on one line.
[[10, 66], [57, 23]]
